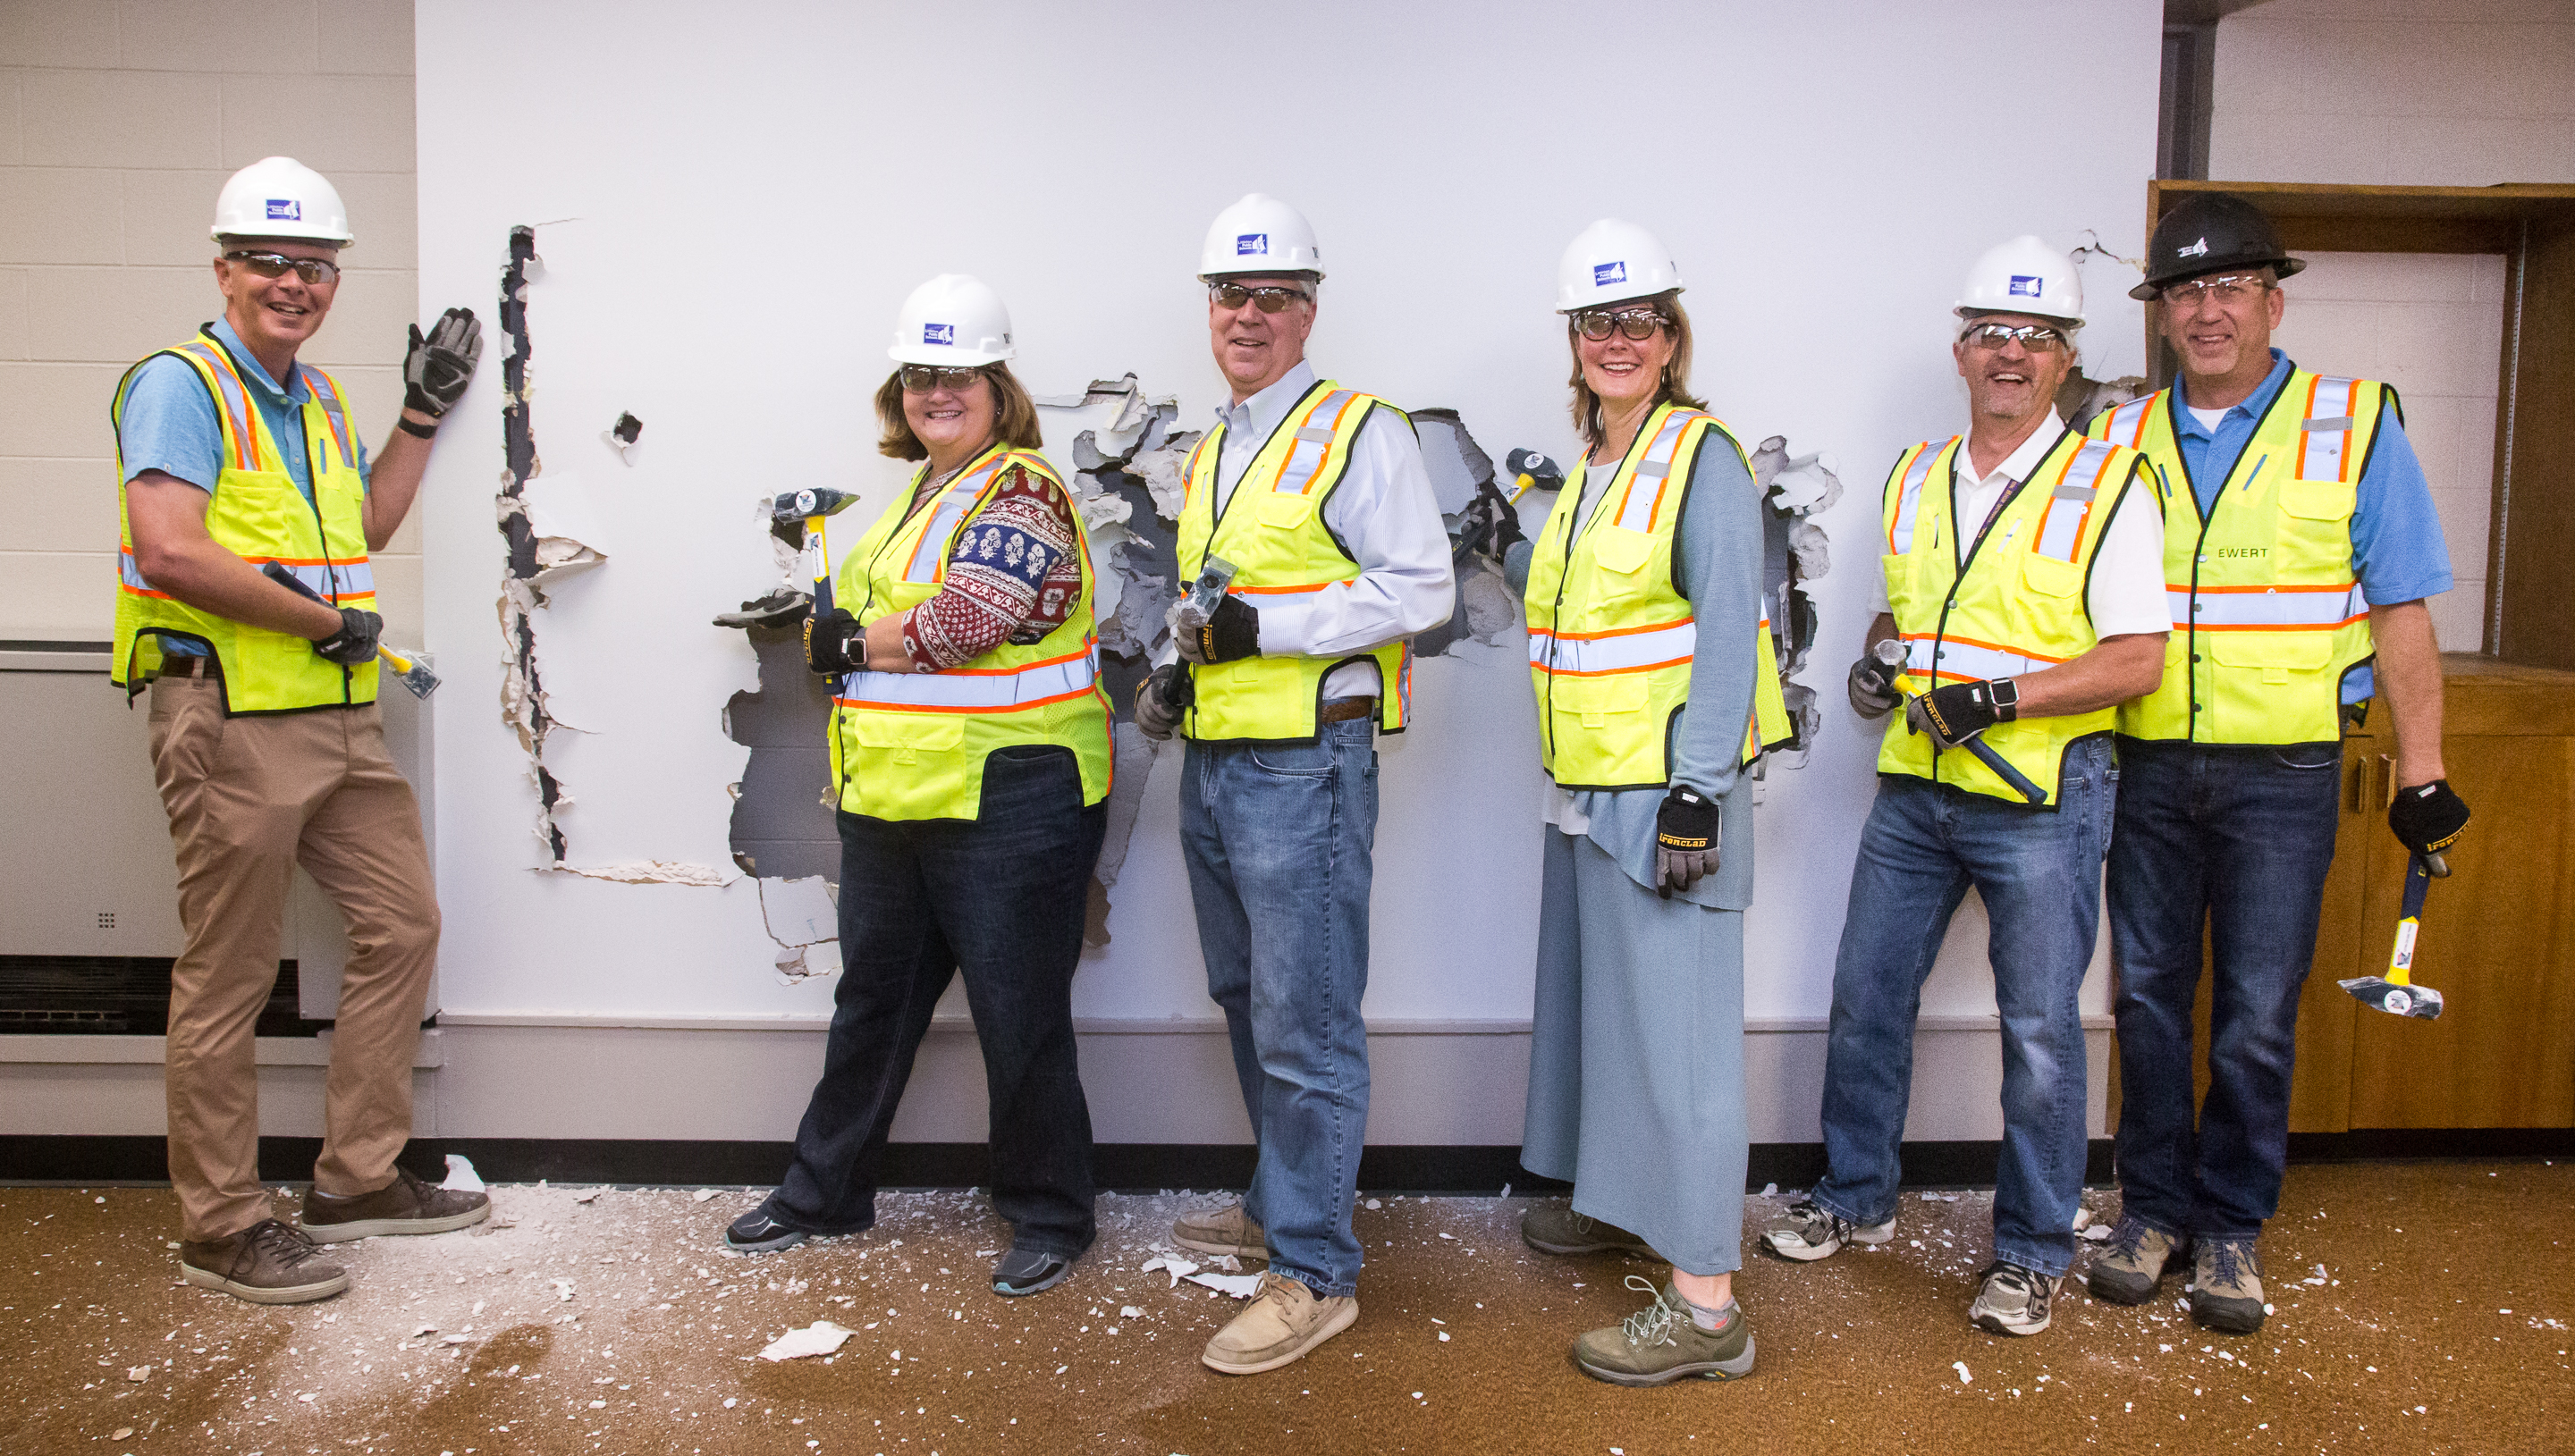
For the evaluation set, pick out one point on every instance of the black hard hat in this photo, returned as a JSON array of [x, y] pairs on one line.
[[2209, 232]]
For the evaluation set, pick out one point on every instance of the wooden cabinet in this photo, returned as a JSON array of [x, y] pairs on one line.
[[2498, 936]]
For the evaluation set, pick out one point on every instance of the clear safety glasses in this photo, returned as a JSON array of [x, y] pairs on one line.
[[922, 378], [2036, 338], [1271, 298], [2226, 290], [1637, 323], [314, 271]]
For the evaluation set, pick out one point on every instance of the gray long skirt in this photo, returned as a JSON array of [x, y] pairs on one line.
[[1635, 1091]]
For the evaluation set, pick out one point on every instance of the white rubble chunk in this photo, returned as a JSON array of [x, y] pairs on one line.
[[461, 1176], [1239, 1286], [822, 1337], [1963, 1377]]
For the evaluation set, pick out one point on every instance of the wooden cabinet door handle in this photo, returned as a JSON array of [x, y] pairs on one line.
[[2387, 782]]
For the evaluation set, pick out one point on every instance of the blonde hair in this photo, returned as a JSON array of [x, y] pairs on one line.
[[1675, 387], [1014, 415]]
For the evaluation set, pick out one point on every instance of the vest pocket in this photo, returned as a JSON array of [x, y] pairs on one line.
[[1593, 700], [249, 514], [1620, 556], [1899, 571], [902, 737], [1280, 511], [2315, 526], [2048, 576], [2276, 659]]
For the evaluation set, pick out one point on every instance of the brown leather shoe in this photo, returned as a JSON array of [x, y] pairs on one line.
[[267, 1263], [1224, 1230], [406, 1205], [1282, 1322]]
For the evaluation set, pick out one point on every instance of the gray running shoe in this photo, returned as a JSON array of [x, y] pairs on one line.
[[1661, 1344], [2013, 1300], [2226, 1287], [268, 1263], [1025, 1271], [758, 1233], [2130, 1267], [1810, 1231], [1555, 1228]]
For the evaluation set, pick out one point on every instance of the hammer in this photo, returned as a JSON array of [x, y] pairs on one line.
[[2395, 993], [812, 507], [416, 679], [1890, 652], [1197, 609]]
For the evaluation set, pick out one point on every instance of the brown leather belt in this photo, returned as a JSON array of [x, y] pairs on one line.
[[1343, 709], [182, 665]]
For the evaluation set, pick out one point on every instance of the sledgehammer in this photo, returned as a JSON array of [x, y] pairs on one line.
[[2395, 993]]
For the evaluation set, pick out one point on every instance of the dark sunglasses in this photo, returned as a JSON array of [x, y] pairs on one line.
[[2036, 338], [920, 379], [276, 265], [1637, 323], [1271, 298]]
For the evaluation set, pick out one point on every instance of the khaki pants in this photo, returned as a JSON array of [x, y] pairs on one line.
[[249, 798]]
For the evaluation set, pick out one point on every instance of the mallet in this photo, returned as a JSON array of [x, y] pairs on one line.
[[416, 679], [2395, 993]]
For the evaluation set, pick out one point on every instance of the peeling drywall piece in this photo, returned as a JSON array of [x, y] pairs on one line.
[[2080, 400], [654, 871], [803, 917], [1460, 472], [522, 694], [1795, 551]]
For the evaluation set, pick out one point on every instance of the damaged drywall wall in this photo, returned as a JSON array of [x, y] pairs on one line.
[[1795, 551]]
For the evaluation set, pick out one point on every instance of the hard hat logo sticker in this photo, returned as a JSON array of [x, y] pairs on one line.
[[2025, 285], [1605, 274], [285, 210], [939, 334], [1251, 244], [2195, 250]]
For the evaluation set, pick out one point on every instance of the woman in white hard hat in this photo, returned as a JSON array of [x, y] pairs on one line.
[[1655, 687], [970, 765]]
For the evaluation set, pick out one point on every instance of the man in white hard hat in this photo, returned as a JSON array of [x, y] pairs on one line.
[[2023, 602], [238, 467], [1316, 495]]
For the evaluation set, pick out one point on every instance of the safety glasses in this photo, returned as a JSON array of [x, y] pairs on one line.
[[2036, 338], [922, 378], [1637, 323], [276, 265], [1271, 298], [2226, 290]]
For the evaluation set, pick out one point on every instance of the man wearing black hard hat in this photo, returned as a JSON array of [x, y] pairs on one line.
[[2300, 544]]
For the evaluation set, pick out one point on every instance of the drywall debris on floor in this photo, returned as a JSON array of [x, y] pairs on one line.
[[1235, 1286], [822, 1337], [461, 1176]]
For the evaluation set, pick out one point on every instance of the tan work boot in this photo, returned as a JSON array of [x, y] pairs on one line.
[[266, 1263], [2127, 1271], [2226, 1287], [1555, 1228], [1226, 1230], [404, 1205], [1282, 1322]]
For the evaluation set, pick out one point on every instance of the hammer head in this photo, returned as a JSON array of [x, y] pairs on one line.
[[1207, 592], [804, 505], [2395, 999]]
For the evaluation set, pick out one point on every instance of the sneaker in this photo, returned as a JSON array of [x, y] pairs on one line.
[[1226, 1230], [758, 1233], [1025, 1271], [2013, 1300], [404, 1205], [1809, 1231], [1555, 1228], [1282, 1322], [270, 1262], [2130, 1267], [2226, 1287], [1661, 1344]]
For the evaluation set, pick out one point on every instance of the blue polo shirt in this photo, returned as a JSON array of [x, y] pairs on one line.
[[2397, 548], [170, 424]]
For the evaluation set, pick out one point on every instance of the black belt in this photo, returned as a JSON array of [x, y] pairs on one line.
[[185, 665], [1343, 709]]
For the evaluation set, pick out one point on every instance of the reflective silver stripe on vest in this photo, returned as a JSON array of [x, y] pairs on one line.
[[1968, 660], [953, 505], [1654, 470], [1626, 652], [237, 406], [328, 396], [2060, 529], [2324, 438], [967, 689], [1314, 443], [2129, 420], [1908, 495], [2259, 609]]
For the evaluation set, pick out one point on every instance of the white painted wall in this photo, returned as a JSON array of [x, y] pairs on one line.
[[752, 200]]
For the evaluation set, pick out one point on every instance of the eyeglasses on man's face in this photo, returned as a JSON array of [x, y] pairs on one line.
[[314, 271], [2036, 338], [1271, 298], [2226, 290]]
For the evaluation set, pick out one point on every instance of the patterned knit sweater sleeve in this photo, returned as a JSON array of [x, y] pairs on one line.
[[1012, 577]]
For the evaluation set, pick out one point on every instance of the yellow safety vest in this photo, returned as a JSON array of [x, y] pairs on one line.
[[1273, 530], [911, 746], [2267, 612], [257, 514], [2016, 607], [1611, 637]]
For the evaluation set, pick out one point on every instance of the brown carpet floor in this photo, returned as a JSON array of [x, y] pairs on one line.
[[2418, 1308]]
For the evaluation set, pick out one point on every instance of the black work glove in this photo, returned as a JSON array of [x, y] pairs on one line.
[[1686, 830], [835, 643], [439, 366], [355, 642], [1959, 711], [2428, 818], [1233, 631], [1873, 694], [1490, 523], [1160, 699]]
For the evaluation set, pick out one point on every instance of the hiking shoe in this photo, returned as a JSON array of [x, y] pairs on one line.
[[1282, 1322], [1661, 1344], [2226, 1287], [2013, 1300], [1226, 1230], [270, 1262], [2128, 1268], [1809, 1231], [1555, 1228], [758, 1233], [1025, 1271], [404, 1205]]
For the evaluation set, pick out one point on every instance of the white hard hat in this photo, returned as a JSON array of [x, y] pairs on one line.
[[1260, 234], [953, 319], [279, 196], [1611, 262], [2023, 275]]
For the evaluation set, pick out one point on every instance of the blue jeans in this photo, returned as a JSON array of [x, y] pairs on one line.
[[2039, 873], [2237, 837], [1278, 839], [1000, 899]]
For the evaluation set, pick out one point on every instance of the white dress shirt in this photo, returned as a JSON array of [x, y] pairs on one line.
[[1384, 512], [2127, 594]]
